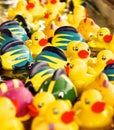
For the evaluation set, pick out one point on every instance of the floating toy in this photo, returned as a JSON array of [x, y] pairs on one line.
[[55, 57], [37, 43], [102, 39], [88, 28], [22, 99], [63, 35], [41, 100], [77, 71], [78, 50], [60, 86], [15, 55], [17, 30], [10, 84], [8, 117], [100, 114], [105, 87], [109, 71], [104, 57], [19, 9], [39, 72], [50, 29]]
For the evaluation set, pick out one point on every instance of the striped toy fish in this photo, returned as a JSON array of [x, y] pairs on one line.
[[53, 56], [109, 71], [63, 35], [60, 86], [17, 30], [39, 72], [15, 55]]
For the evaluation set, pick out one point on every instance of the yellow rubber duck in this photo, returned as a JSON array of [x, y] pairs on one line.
[[103, 85], [55, 126], [88, 28], [50, 29], [78, 14], [8, 118], [78, 50], [53, 114], [92, 113], [41, 100], [102, 39], [34, 6], [103, 58], [53, 8], [19, 9], [37, 42], [78, 74]]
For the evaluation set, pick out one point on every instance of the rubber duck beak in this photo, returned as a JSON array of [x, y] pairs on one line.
[[107, 38], [30, 6], [110, 61], [68, 117], [67, 68], [98, 107], [83, 54], [33, 111]]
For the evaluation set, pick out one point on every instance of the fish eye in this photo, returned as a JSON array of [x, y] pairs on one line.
[[61, 95]]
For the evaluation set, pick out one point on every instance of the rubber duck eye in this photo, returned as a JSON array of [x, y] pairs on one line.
[[36, 38], [40, 105], [55, 111], [75, 49], [87, 101], [71, 66], [91, 34], [88, 49], [100, 34], [103, 57], [61, 94]]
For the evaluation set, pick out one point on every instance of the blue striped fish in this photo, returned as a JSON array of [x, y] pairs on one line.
[[53, 56], [63, 35], [17, 30]]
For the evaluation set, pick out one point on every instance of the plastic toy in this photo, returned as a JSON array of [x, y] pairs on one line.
[[17, 30], [15, 55], [77, 71], [19, 9], [88, 28], [104, 57], [37, 75], [100, 113], [76, 49], [50, 29], [105, 87], [10, 84], [63, 35], [102, 39], [109, 71], [60, 86], [8, 117], [56, 126], [22, 99], [55, 117], [34, 6], [79, 13], [55, 57], [6, 37], [41, 100], [37, 43]]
